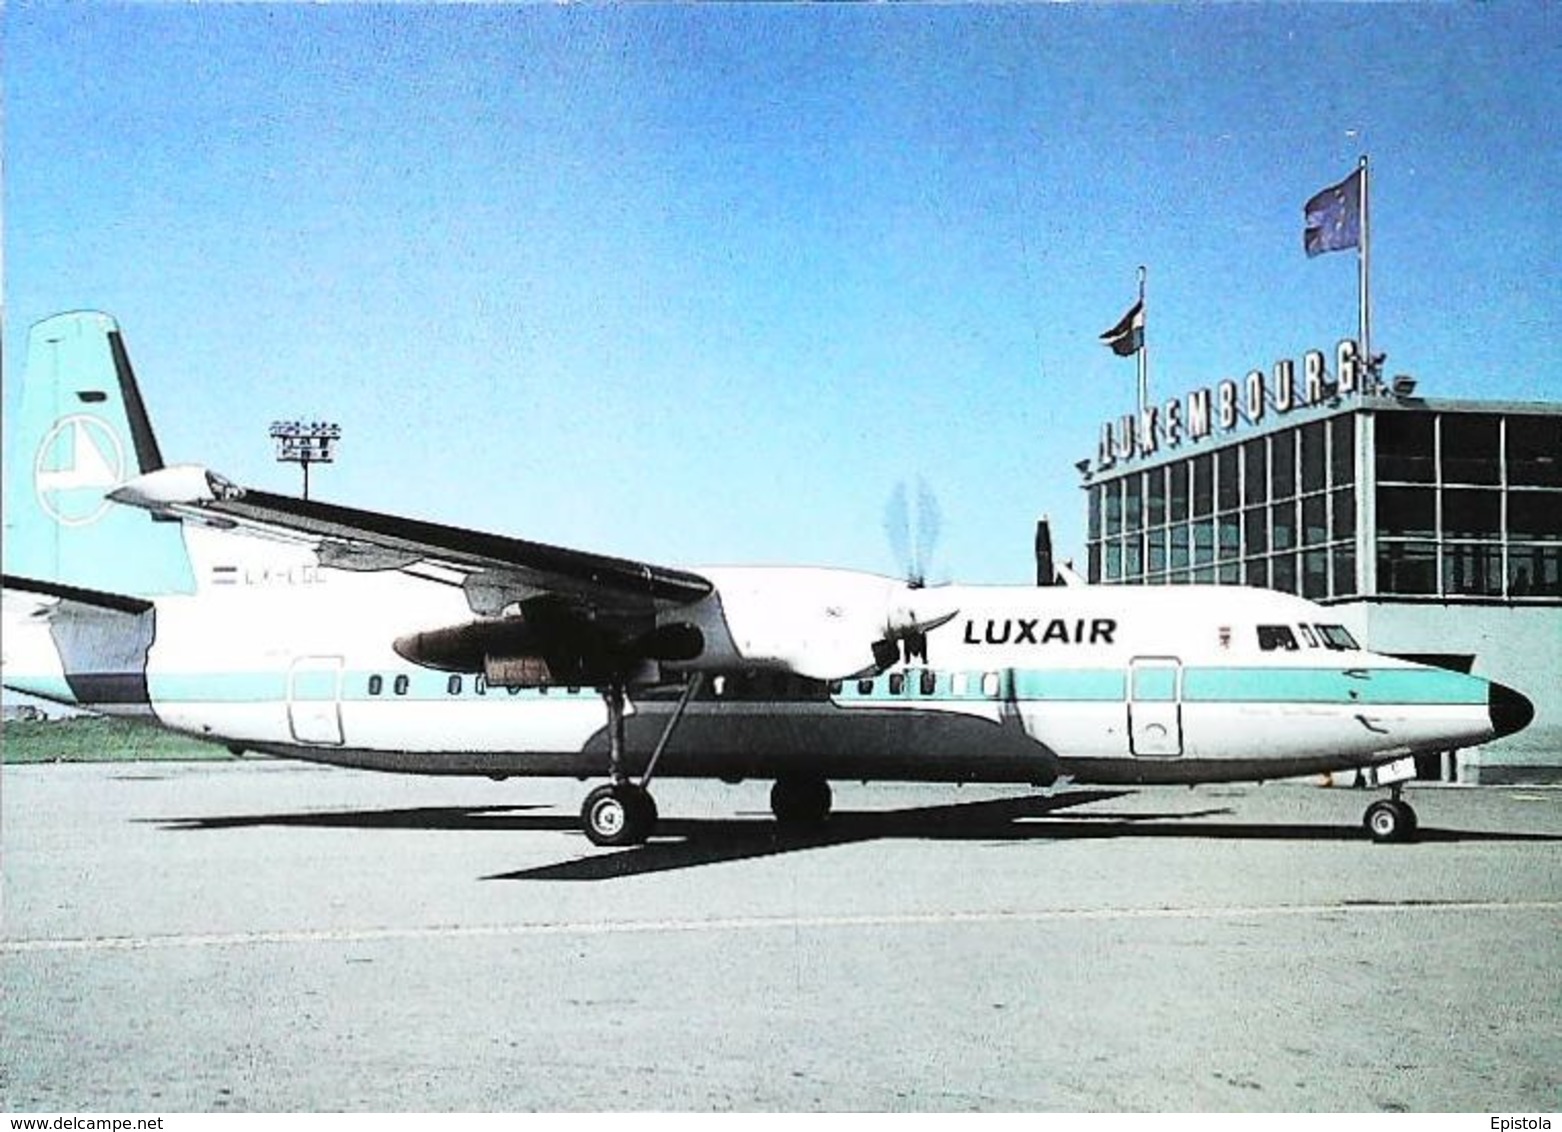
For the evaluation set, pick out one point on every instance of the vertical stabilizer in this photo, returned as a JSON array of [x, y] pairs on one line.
[[82, 430]]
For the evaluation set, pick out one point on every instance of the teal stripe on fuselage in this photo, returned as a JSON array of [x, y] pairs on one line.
[[1049, 684], [1092, 685], [1332, 685], [217, 687], [1107, 685], [265, 687]]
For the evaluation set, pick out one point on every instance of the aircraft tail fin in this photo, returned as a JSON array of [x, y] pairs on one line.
[[81, 431]]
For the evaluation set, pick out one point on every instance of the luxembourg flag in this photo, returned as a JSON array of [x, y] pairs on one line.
[[1127, 337]]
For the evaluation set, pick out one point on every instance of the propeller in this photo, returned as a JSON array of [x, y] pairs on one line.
[[912, 522], [913, 541]]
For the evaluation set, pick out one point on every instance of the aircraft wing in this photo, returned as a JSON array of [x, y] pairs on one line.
[[495, 571], [583, 612]]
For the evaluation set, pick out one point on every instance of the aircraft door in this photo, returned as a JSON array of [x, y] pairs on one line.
[[1155, 707], [314, 700]]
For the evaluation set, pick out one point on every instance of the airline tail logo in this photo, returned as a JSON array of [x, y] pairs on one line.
[[80, 460]]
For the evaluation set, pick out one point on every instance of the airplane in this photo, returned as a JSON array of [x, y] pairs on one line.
[[310, 630]]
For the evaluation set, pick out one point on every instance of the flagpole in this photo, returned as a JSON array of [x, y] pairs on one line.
[[1363, 290], [1144, 359]]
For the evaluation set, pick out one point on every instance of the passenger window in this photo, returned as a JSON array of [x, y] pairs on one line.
[[719, 686], [957, 683], [453, 686], [1307, 635], [1273, 637], [897, 683], [480, 685], [865, 687], [1337, 637], [990, 685], [929, 681], [835, 687], [376, 685], [401, 685]]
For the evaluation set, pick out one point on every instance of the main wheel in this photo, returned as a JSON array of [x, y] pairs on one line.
[[800, 801], [618, 814], [1389, 819]]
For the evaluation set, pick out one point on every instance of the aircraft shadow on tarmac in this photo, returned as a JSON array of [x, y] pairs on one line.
[[688, 843]]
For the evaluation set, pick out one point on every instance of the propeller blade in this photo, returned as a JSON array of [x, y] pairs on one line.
[[929, 523], [897, 528], [913, 540]]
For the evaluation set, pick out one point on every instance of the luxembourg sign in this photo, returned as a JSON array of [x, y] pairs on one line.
[[1222, 407]]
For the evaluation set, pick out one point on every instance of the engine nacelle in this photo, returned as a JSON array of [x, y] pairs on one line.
[[534, 672], [467, 647], [821, 623], [511, 652]]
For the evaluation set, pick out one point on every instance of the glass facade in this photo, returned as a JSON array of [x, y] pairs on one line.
[[1455, 504], [1469, 505], [1276, 510]]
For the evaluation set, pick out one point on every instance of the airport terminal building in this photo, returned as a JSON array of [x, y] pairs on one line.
[[1433, 527]]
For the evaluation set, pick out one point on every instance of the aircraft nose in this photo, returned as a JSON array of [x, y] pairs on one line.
[[1510, 710]]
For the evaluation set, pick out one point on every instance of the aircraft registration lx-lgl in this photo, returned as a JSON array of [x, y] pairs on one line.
[[314, 631]]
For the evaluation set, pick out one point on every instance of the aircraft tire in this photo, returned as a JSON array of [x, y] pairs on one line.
[[618, 814], [800, 801], [1390, 820]]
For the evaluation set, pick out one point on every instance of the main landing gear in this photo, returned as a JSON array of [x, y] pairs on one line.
[[800, 801], [1390, 819], [619, 813], [622, 812]]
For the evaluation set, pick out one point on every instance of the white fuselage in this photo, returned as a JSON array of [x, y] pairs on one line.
[[276, 653]]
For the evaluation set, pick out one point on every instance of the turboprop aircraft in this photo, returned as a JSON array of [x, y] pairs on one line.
[[315, 631]]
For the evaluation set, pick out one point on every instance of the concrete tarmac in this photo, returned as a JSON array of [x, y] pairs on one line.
[[262, 935]]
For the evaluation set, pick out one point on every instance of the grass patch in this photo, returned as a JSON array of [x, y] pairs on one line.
[[96, 739]]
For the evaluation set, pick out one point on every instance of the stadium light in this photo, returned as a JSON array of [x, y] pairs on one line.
[[305, 443]]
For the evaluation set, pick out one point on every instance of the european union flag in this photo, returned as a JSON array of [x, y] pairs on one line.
[[1333, 218]]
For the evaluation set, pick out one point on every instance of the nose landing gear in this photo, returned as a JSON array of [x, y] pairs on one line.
[[1390, 819]]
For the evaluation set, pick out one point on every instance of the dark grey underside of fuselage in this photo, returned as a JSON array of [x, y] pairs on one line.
[[764, 743], [900, 745], [841, 767]]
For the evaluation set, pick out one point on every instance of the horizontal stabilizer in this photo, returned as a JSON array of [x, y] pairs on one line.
[[119, 603]]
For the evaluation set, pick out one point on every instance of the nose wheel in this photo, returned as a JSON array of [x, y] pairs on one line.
[[1390, 820]]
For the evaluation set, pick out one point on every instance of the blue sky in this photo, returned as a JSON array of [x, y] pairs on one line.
[[701, 285]]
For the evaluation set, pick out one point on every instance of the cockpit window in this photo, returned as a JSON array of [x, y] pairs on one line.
[[1337, 637], [1307, 635], [1273, 637]]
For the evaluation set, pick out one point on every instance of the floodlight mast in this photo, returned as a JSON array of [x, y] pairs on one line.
[[305, 443]]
